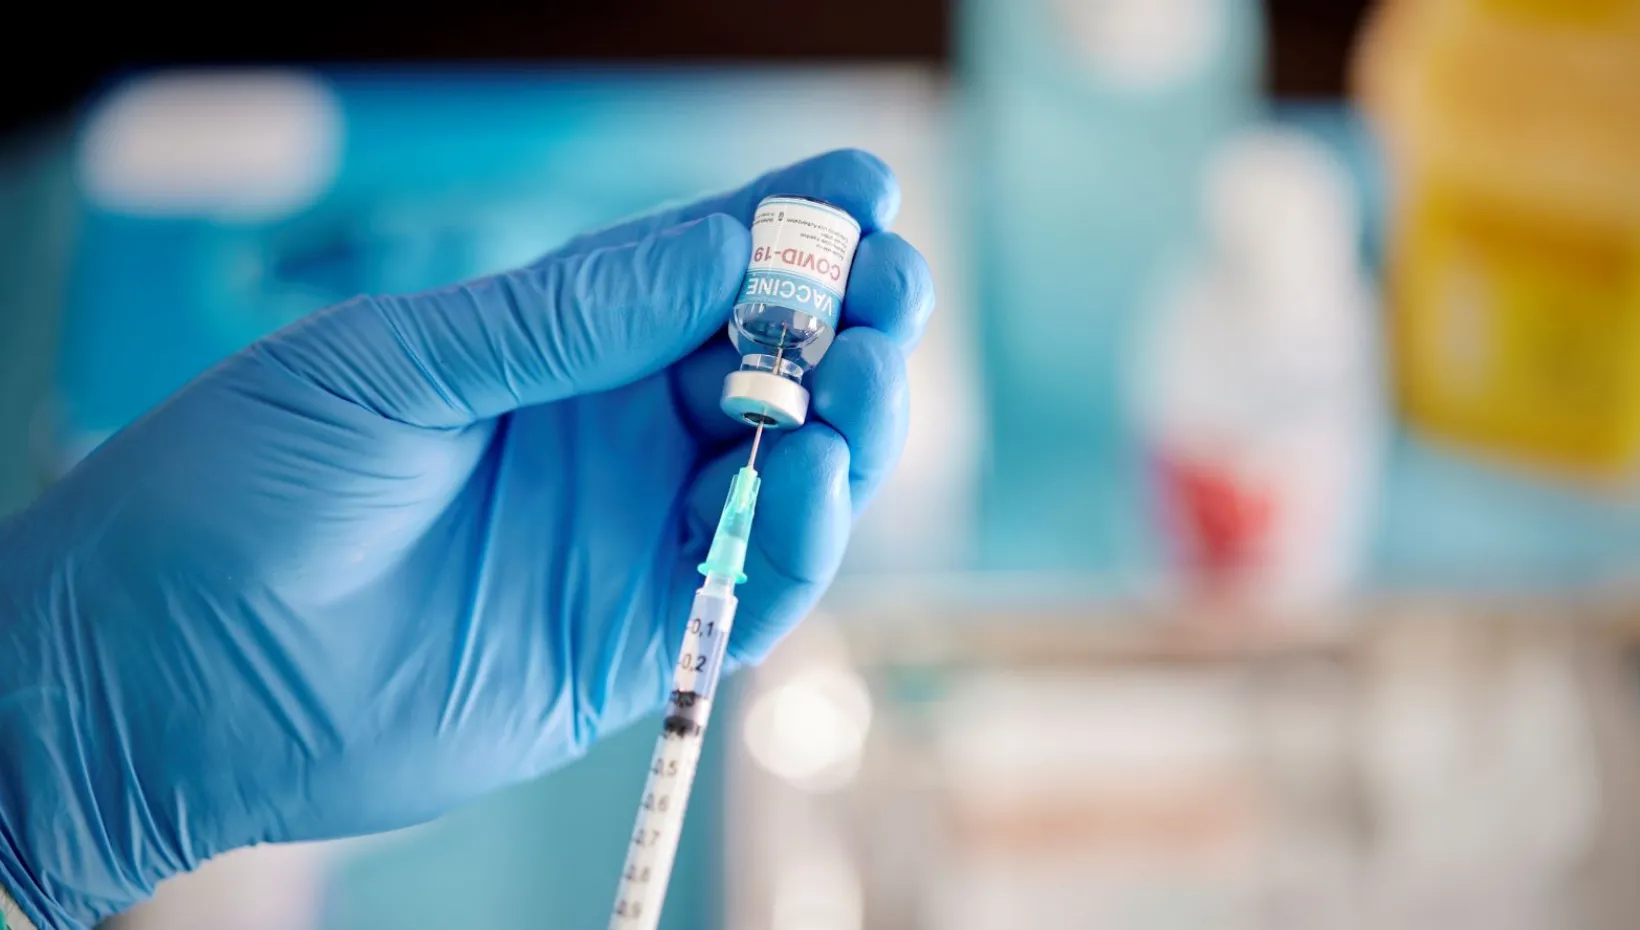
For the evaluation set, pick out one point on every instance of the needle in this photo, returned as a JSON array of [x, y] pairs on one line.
[[757, 437]]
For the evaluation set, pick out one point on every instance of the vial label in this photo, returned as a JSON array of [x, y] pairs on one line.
[[801, 254]]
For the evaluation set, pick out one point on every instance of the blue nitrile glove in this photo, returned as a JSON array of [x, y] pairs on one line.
[[412, 549]]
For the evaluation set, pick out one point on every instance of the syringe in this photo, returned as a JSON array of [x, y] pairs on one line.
[[677, 753]]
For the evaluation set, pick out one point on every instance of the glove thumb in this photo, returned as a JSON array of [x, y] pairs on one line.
[[567, 325]]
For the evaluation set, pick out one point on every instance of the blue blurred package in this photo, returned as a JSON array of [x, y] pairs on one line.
[[217, 206], [1089, 125]]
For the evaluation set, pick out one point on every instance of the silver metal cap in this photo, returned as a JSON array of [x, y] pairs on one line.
[[758, 397]]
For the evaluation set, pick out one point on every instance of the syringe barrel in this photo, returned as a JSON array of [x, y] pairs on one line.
[[705, 639], [654, 844], [695, 677]]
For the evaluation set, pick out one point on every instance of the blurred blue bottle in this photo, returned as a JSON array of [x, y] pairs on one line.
[[1089, 123]]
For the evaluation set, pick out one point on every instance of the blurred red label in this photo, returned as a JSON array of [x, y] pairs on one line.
[[1222, 520]]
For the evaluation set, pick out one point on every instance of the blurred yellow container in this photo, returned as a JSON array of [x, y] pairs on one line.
[[1512, 129]]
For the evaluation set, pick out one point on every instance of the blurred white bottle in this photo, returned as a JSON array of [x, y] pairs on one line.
[[1258, 384]]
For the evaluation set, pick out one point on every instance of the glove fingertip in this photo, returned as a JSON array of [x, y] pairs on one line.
[[804, 510], [859, 182], [891, 288]]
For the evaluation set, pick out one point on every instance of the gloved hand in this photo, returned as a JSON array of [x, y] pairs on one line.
[[412, 549]]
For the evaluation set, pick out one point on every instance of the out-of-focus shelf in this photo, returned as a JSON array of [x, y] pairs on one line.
[[1035, 738], [954, 622]]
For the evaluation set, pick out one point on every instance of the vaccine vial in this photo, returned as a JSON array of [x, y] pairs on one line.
[[787, 312]]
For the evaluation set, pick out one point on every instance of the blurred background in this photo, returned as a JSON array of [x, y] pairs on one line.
[[1267, 549]]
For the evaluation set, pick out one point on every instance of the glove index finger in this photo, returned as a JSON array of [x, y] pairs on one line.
[[851, 179], [571, 324]]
